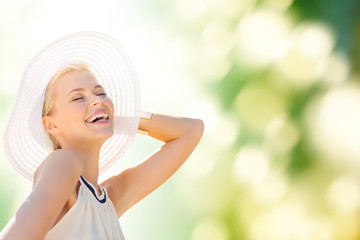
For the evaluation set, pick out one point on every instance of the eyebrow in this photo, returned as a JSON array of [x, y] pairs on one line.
[[82, 89]]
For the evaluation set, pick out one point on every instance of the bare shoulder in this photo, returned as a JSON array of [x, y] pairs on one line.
[[56, 178], [54, 184], [60, 162]]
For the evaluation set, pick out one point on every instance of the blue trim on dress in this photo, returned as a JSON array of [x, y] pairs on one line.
[[93, 191]]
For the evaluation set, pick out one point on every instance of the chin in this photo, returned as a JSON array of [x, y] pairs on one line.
[[107, 135], [110, 135]]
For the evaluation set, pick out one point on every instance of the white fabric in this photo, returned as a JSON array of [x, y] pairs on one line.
[[88, 218]]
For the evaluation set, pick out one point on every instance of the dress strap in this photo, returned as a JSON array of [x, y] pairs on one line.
[[91, 187]]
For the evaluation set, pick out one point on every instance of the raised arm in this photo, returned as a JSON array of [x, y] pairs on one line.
[[181, 135], [52, 188]]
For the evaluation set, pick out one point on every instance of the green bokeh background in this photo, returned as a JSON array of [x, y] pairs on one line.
[[276, 83]]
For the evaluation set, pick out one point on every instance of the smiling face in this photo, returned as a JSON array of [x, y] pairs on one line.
[[82, 113]]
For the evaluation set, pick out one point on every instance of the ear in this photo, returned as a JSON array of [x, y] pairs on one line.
[[50, 126]]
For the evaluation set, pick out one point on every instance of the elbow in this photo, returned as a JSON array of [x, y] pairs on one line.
[[201, 126], [197, 129]]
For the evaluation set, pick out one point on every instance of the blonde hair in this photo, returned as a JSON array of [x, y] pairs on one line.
[[50, 93]]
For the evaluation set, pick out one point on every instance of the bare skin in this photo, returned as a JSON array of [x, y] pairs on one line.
[[81, 143]]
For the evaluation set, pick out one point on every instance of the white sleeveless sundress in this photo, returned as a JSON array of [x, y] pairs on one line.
[[92, 217]]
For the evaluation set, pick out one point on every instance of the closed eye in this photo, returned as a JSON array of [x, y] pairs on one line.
[[100, 94], [77, 98]]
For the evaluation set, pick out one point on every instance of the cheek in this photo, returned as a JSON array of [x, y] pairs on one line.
[[73, 115], [110, 105]]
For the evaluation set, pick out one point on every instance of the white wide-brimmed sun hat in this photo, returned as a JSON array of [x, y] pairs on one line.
[[26, 143]]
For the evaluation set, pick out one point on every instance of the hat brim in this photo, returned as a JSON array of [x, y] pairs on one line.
[[25, 141]]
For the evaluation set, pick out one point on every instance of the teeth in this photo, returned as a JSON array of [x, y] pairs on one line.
[[91, 119]]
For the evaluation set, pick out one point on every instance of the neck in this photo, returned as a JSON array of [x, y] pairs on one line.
[[90, 155]]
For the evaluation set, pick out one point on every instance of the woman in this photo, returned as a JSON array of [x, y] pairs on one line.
[[79, 118]]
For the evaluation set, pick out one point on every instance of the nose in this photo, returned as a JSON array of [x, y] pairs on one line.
[[97, 100]]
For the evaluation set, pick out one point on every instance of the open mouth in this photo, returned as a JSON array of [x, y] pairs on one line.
[[98, 118]]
